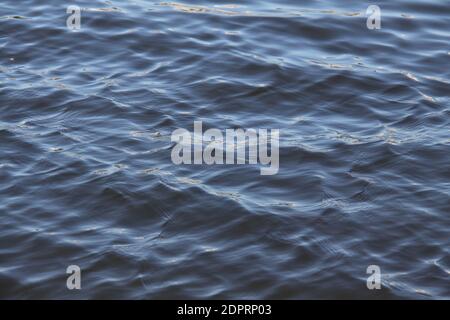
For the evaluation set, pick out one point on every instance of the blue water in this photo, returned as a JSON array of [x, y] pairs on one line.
[[86, 176]]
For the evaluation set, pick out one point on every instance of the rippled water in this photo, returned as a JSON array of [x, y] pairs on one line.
[[86, 176]]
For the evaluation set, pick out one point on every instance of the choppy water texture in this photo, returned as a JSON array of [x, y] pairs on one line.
[[86, 176]]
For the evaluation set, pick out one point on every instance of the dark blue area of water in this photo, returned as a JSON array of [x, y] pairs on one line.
[[86, 176]]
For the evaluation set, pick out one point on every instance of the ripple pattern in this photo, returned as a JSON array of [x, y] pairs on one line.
[[86, 176]]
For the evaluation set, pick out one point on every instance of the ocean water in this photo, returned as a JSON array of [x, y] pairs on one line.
[[86, 176]]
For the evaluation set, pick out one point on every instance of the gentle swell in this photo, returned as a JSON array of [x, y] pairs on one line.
[[86, 176]]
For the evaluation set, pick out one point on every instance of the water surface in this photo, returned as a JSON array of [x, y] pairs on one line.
[[86, 176]]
